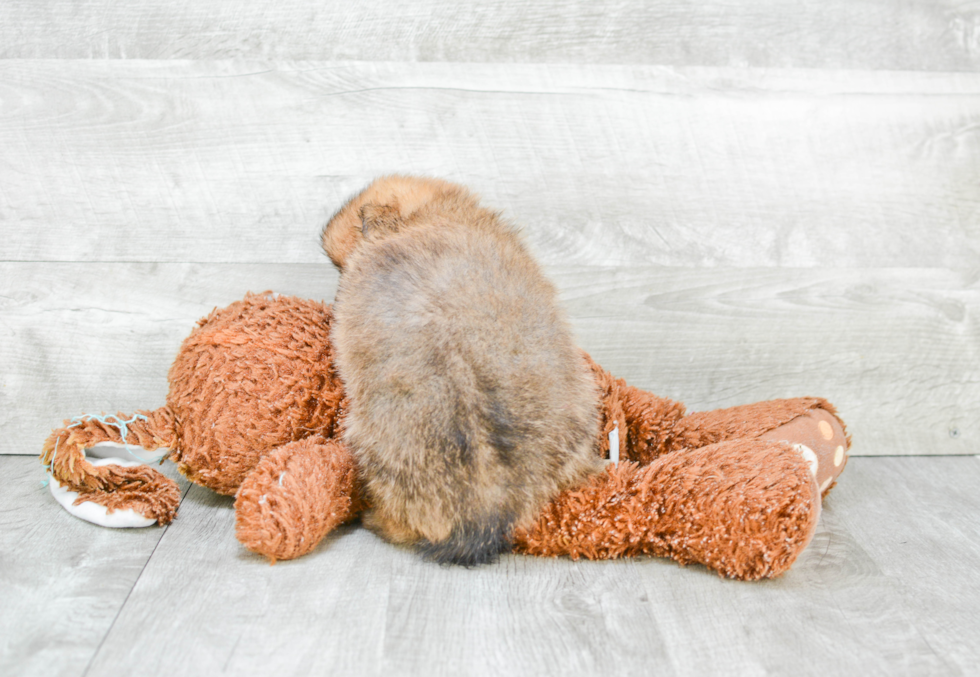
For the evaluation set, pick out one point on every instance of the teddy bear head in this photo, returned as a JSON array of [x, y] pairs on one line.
[[251, 377]]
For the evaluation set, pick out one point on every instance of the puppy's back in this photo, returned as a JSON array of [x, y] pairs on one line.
[[470, 406]]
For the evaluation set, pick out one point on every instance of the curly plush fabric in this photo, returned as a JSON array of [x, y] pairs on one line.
[[251, 377], [255, 406], [645, 421], [651, 426], [141, 488], [744, 508], [296, 495]]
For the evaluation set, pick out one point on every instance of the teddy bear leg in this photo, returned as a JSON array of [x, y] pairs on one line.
[[295, 496], [112, 491], [810, 421], [742, 422], [822, 434], [744, 508]]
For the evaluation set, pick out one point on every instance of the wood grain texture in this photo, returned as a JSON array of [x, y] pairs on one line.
[[89, 338], [205, 605], [928, 538], [895, 349], [62, 580], [525, 616], [359, 606], [887, 587], [876, 34], [615, 165], [737, 201]]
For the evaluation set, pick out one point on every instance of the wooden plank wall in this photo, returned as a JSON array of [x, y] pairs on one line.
[[737, 202], [940, 35]]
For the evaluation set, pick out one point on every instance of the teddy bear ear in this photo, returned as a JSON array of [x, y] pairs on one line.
[[378, 220]]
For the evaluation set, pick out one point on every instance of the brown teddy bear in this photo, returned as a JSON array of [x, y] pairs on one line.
[[254, 410]]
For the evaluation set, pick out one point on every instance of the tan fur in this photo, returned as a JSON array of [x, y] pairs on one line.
[[470, 406], [384, 202]]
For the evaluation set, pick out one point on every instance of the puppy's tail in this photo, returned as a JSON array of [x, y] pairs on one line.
[[472, 543]]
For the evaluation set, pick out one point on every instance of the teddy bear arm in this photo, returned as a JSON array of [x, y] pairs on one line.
[[648, 423], [295, 496], [116, 491], [744, 508], [633, 421]]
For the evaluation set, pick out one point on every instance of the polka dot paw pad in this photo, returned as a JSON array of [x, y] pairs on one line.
[[821, 432]]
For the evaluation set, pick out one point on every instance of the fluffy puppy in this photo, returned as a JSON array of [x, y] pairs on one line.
[[469, 404]]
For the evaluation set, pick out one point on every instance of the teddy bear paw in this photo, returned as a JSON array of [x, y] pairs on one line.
[[820, 437]]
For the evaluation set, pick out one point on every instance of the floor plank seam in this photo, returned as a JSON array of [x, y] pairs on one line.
[[122, 606]]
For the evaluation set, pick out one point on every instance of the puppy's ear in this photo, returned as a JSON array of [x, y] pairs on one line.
[[377, 221]]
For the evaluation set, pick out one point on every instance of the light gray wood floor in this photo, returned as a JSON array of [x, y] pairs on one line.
[[736, 201], [888, 587]]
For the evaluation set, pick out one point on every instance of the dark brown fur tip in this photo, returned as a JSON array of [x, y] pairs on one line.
[[473, 544]]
